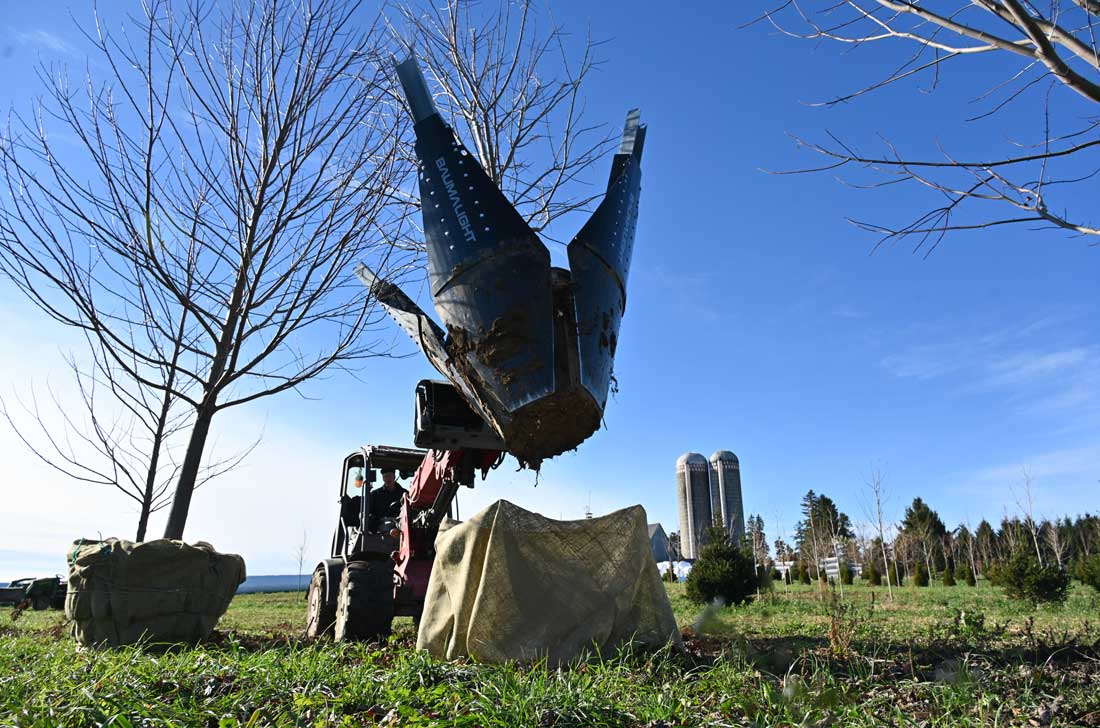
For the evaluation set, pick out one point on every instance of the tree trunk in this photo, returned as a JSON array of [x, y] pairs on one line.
[[189, 472], [143, 522], [1035, 539]]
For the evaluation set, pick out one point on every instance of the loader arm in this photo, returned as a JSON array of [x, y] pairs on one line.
[[431, 493]]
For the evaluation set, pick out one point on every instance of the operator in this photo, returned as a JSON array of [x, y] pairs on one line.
[[350, 506], [385, 502]]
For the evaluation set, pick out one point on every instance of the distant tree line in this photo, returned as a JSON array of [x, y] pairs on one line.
[[922, 545]]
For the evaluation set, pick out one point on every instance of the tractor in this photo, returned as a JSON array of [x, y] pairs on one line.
[[378, 568], [38, 594], [526, 348]]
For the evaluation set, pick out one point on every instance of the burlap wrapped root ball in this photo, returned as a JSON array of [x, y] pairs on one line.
[[121, 592], [511, 585]]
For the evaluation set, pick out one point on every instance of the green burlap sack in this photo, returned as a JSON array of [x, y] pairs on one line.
[[121, 592]]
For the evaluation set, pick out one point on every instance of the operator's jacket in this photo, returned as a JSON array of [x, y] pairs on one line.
[[384, 504]]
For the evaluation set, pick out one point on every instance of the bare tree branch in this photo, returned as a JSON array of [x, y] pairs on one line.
[[1057, 43]]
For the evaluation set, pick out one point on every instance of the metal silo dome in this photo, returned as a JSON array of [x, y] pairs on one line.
[[725, 492], [693, 493], [689, 458]]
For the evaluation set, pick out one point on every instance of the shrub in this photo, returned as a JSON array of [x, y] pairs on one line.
[[948, 577], [1024, 579], [1088, 571], [846, 575], [970, 580], [873, 577], [803, 573], [964, 575], [670, 574], [920, 575], [764, 579], [847, 622], [722, 571], [895, 575]]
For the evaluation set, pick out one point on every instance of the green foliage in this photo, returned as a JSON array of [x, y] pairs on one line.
[[670, 574], [764, 578], [848, 622], [846, 575], [895, 575], [920, 575], [1023, 579], [803, 573], [964, 574], [722, 571], [948, 577], [1088, 571], [873, 577], [922, 521], [260, 672]]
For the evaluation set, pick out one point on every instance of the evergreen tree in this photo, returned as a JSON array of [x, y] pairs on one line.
[[964, 574], [1024, 579], [948, 577], [924, 526], [920, 575], [895, 575], [1089, 572], [873, 577], [722, 571]]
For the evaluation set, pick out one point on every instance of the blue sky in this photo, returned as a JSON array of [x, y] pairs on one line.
[[758, 319]]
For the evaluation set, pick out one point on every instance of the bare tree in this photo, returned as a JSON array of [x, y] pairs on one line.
[[874, 483], [300, 555], [971, 538], [1048, 58], [1026, 503], [513, 88], [1052, 534], [835, 537], [781, 555], [233, 166]]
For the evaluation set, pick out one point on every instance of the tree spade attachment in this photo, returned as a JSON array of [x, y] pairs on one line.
[[530, 347]]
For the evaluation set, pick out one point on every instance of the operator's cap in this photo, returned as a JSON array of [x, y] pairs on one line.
[[387, 470]]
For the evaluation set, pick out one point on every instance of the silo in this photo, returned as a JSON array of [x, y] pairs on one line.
[[693, 490], [725, 492]]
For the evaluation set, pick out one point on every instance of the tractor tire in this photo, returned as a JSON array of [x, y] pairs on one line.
[[320, 612], [40, 603], [364, 607]]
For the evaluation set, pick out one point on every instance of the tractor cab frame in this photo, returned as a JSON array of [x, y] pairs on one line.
[[359, 532]]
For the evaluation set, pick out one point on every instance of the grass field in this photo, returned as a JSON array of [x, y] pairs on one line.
[[933, 657]]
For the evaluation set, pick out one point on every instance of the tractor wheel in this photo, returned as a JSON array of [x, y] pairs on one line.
[[320, 612], [364, 607], [40, 603]]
